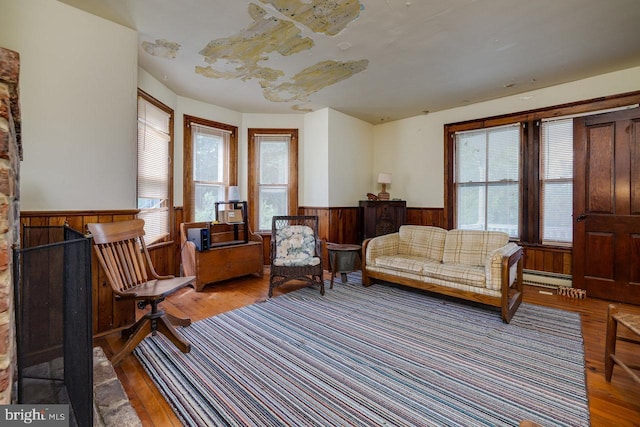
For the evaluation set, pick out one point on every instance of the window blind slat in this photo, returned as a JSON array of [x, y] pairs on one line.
[[556, 181], [153, 169]]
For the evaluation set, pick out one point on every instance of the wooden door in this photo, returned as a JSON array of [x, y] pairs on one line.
[[606, 251]]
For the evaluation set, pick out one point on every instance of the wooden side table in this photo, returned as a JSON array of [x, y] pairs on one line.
[[343, 259]]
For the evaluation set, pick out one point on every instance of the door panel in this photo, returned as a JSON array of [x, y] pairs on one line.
[[607, 204], [635, 168], [634, 265], [600, 160], [600, 257]]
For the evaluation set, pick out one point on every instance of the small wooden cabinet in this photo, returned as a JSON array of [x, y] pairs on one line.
[[234, 251], [378, 217]]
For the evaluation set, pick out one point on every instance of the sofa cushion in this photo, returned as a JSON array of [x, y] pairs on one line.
[[404, 263], [471, 247], [458, 273], [422, 241]]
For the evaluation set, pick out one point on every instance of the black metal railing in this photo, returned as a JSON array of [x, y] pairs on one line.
[[52, 283]]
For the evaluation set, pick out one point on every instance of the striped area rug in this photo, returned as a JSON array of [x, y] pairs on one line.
[[370, 357]]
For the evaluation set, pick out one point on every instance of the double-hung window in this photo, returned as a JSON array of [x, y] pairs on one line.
[[154, 177], [481, 176], [487, 179], [272, 174], [556, 181], [210, 166]]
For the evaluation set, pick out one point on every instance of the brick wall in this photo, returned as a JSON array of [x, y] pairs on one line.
[[10, 156]]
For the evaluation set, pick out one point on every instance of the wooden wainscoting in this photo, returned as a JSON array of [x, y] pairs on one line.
[[109, 314], [341, 225], [426, 216], [551, 260], [337, 224]]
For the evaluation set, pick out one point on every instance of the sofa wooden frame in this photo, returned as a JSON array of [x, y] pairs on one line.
[[509, 301]]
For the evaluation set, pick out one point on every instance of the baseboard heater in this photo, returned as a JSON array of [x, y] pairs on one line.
[[546, 279]]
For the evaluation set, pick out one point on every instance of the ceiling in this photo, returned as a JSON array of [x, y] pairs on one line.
[[377, 60]]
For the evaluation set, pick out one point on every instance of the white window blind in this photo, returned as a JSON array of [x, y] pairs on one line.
[[487, 179], [556, 181], [210, 174], [273, 177], [153, 169]]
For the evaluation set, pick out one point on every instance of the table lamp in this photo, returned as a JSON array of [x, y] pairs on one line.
[[384, 178], [234, 194]]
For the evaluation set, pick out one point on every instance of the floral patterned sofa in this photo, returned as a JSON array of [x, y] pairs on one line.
[[480, 266]]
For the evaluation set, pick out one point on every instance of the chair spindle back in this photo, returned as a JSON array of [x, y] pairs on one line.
[[119, 248]]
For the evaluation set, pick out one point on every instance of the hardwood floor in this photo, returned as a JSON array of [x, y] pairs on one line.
[[611, 404]]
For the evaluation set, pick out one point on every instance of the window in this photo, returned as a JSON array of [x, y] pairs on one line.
[[487, 179], [546, 175], [154, 178], [273, 175], [556, 181], [210, 166]]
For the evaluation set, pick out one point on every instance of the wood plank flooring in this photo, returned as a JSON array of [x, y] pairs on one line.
[[611, 404]]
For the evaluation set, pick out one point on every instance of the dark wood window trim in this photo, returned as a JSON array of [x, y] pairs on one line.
[[232, 159], [529, 234], [253, 171], [150, 99]]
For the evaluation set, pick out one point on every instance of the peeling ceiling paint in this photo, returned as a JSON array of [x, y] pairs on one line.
[[243, 51], [320, 16], [238, 56], [422, 55], [161, 48], [313, 79]]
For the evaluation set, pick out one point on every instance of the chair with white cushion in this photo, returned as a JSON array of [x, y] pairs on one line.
[[296, 251]]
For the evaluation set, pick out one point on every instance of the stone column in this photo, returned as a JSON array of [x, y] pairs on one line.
[[10, 156]]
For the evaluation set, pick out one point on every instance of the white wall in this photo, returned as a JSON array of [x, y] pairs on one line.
[[314, 160], [413, 149], [78, 82], [153, 87], [415, 159], [350, 159]]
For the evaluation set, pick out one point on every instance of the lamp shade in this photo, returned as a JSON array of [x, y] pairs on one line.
[[384, 178], [234, 194]]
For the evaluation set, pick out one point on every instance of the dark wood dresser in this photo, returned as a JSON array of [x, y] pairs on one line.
[[381, 217]]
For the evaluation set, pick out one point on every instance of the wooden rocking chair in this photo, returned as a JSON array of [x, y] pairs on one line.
[[120, 248]]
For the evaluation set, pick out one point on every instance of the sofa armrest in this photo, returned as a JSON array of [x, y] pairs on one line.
[[495, 262], [386, 244]]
